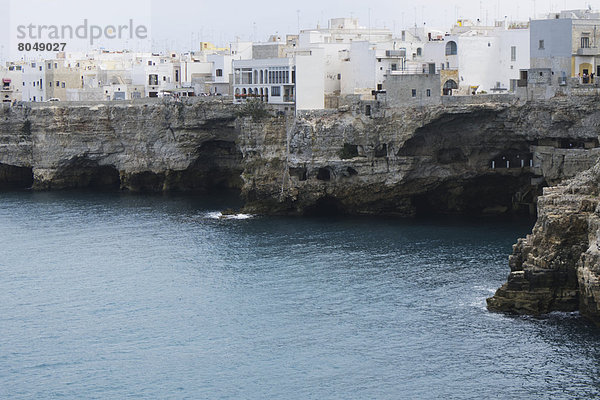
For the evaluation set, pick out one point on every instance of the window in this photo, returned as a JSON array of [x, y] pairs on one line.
[[219, 72], [414, 92], [57, 83], [428, 92], [541, 45], [585, 42], [33, 65], [49, 65], [50, 84], [451, 48], [394, 67], [150, 63], [152, 79], [276, 91], [62, 85], [513, 53], [419, 51]]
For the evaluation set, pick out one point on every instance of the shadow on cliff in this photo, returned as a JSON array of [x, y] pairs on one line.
[[216, 168]]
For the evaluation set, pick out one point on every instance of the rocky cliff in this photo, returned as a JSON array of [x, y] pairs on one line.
[[557, 266], [459, 158], [139, 146], [466, 156]]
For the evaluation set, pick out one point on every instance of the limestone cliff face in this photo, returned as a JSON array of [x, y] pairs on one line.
[[557, 266], [461, 158], [143, 146], [455, 158]]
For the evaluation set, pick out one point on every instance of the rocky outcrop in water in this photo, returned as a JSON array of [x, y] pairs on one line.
[[557, 266]]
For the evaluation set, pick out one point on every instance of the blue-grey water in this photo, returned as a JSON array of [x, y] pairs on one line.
[[114, 296]]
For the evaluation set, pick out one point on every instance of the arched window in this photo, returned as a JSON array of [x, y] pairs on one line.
[[419, 51], [244, 91], [451, 48], [255, 77], [261, 76], [450, 84]]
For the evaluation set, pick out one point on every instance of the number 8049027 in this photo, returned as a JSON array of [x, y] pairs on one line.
[[37, 46]]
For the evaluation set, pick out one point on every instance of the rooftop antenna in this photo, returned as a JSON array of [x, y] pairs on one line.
[[369, 25], [480, 9]]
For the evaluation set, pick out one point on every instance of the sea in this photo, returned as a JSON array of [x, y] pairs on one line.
[[125, 296]]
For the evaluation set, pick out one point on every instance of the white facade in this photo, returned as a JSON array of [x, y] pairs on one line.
[[33, 81], [310, 86], [272, 80], [486, 59], [157, 73], [567, 43], [11, 84]]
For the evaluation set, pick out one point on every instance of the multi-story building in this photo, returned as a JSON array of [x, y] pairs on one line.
[[11, 88], [272, 80], [473, 58], [569, 44], [33, 81]]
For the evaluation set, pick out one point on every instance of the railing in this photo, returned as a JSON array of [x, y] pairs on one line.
[[588, 51]]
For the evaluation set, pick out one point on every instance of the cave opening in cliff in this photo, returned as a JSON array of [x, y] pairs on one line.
[[324, 174], [217, 168], [492, 194], [83, 173], [13, 177], [299, 173], [325, 207]]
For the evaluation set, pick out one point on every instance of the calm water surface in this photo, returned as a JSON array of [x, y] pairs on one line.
[[122, 296]]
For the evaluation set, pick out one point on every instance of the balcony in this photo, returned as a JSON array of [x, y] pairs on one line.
[[588, 51], [395, 53]]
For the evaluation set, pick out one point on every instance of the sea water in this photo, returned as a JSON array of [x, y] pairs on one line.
[[115, 296]]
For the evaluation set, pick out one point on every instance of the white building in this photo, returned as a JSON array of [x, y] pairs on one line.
[[271, 80], [486, 58], [567, 43], [33, 81], [11, 88]]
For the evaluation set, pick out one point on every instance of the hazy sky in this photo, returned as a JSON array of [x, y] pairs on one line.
[[221, 21], [179, 24]]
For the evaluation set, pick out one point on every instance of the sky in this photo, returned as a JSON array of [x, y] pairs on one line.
[[180, 25]]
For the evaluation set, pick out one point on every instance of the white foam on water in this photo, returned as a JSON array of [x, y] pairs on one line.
[[214, 215], [239, 216], [219, 215]]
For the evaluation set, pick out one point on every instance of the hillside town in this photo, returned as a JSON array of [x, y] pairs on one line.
[[317, 68]]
